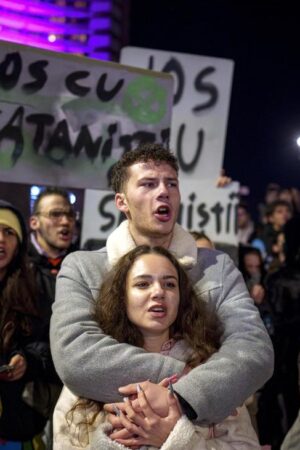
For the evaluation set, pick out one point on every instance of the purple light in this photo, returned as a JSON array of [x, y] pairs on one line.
[[17, 21], [57, 46], [101, 6], [106, 56], [101, 40], [32, 22], [46, 9], [101, 23]]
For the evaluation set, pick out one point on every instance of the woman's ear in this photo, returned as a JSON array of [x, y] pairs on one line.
[[121, 202]]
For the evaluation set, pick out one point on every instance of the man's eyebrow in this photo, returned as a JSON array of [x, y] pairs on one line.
[[146, 178]]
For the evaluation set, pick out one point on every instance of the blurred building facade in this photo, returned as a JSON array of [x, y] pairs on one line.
[[92, 28]]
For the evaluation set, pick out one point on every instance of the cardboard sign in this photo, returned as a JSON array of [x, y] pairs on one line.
[[65, 120], [203, 207], [201, 102]]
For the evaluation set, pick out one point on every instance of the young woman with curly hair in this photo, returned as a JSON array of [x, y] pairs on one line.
[[147, 301]]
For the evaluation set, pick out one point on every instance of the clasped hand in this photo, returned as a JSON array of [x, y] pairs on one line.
[[147, 415]]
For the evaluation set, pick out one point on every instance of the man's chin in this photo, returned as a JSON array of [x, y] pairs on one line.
[[63, 245], [162, 231]]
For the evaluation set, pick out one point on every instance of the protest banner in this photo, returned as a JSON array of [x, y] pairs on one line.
[[203, 208], [207, 208], [65, 120], [202, 92]]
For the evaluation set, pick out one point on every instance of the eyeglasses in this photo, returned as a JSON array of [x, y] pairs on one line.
[[56, 215]]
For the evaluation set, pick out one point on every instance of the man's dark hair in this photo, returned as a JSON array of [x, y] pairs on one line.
[[272, 206], [143, 153], [51, 190]]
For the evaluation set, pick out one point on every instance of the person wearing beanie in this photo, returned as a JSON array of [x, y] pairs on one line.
[[24, 356], [9, 218]]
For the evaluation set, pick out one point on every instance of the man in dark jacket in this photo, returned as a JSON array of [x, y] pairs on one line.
[[52, 226]]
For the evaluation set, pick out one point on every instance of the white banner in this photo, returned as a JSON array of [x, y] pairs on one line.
[[65, 120], [200, 108], [203, 207]]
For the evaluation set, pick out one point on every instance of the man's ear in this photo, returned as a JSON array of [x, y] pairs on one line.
[[34, 222], [121, 202]]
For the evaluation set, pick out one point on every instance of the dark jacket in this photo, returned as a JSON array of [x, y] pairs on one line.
[[18, 420], [45, 272], [21, 332], [45, 275]]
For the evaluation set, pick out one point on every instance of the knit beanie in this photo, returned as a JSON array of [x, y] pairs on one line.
[[9, 218]]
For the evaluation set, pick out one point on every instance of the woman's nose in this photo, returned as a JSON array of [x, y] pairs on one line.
[[158, 291]]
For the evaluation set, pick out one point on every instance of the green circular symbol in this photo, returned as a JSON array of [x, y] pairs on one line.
[[145, 100]]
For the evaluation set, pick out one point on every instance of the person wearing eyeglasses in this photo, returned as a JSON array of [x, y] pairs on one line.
[[52, 225]]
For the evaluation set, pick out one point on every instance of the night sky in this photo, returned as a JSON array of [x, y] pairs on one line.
[[262, 37]]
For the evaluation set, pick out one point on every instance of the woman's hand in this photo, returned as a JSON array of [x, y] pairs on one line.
[[257, 292], [19, 366], [145, 426]]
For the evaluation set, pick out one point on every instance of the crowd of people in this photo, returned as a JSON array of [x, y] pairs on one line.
[[211, 351], [269, 259]]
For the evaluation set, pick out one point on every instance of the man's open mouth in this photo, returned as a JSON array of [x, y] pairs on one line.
[[64, 233], [163, 212]]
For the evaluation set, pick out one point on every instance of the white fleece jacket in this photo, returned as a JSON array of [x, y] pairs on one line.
[[234, 433]]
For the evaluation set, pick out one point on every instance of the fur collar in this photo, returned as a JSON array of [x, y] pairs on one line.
[[183, 245]]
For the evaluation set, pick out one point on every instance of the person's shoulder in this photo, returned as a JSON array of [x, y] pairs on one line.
[[209, 267], [210, 256], [88, 257]]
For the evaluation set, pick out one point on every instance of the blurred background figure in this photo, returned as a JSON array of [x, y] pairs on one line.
[[284, 296], [268, 237], [245, 224], [271, 195], [202, 240], [292, 439], [252, 267], [292, 196]]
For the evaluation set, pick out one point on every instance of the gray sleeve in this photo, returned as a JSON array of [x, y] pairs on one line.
[[90, 363], [245, 360]]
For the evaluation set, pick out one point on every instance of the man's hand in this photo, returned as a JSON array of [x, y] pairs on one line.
[[144, 427], [223, 180], [157, 396]]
